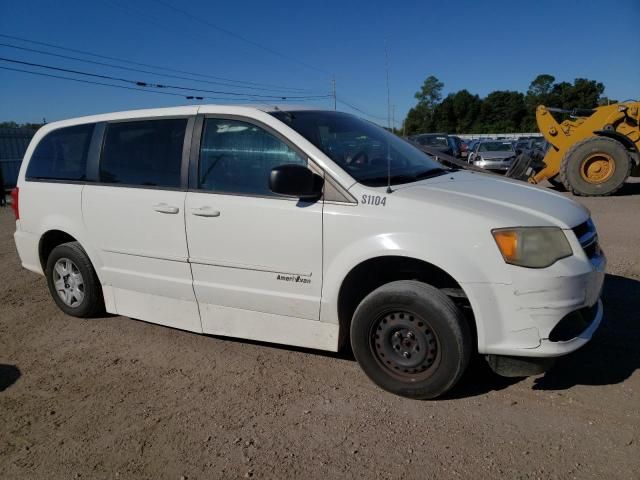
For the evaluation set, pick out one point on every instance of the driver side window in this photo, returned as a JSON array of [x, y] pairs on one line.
[[237, 157]]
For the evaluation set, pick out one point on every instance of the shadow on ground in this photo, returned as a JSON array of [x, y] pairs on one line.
[[9, 374], [629, 188], [613, 354]]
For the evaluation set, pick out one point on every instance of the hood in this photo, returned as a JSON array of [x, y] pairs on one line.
[[511, 203]]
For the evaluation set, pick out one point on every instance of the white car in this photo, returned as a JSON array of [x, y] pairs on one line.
[[308, 228]]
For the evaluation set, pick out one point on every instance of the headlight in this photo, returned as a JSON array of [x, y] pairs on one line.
[[532, 247]]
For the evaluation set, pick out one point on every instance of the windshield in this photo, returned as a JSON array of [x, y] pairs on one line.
[[433, 140], [365, 151], [495, 147]]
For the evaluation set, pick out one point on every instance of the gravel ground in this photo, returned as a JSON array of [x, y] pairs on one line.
[[119, 398]]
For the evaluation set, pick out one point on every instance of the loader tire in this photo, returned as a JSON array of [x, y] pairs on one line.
[[596, 166]]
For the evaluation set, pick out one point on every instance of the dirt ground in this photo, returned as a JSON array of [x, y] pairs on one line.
[[120, 398]]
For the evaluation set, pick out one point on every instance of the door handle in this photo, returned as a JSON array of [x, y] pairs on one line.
[[205, 212], [164, 208]]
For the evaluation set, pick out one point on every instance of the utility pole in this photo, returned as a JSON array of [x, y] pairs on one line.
[[386, 57], [333, 91]]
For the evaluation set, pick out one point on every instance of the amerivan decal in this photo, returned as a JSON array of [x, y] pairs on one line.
[[293, 278]]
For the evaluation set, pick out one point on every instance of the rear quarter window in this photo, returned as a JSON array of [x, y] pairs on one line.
[[61, 155]]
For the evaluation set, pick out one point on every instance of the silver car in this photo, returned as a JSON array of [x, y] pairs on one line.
[[495, 155]]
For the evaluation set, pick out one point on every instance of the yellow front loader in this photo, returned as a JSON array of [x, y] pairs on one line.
[[593, 153]]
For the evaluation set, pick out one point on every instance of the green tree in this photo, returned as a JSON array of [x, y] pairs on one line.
[[420, 118], [541, 86], [430, 92], [501, 111], [538, 93]]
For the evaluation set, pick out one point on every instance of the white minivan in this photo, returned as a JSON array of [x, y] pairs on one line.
[[310, 228]]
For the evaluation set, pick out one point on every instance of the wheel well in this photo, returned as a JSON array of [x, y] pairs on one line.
[[623, 139], [375, 272], [49, 241]]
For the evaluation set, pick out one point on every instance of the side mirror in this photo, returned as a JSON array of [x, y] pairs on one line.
[[296, 181]]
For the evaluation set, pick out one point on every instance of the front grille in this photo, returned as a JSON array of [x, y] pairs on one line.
[[588, 238], [583, 228]]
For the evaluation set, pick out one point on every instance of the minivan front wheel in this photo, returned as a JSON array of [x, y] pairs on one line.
[[411, 339], [73, 282]]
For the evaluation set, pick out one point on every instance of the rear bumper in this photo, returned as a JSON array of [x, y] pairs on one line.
[[27, 245]]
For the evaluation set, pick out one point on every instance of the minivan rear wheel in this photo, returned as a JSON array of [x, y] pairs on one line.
[[73, 282], [411, 339]]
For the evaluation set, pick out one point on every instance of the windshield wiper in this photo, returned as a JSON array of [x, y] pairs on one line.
[[434, 172], [396, 179], [382, 180]]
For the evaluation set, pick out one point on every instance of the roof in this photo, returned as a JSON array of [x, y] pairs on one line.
[[176, 111]]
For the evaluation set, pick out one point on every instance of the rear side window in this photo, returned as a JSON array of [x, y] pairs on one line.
[[237, 157], [61, 154], [147, 152]]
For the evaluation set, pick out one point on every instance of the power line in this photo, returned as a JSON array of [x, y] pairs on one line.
[[123, 87], [157, 85], [42, 74], [104, 64], [377, 117], [157, 67], [239, 37]]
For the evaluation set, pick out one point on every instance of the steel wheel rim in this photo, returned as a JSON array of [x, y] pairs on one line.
[[405, 345], [68, 282], [597, 168]]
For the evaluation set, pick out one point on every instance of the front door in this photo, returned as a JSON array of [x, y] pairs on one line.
[[256, 257]]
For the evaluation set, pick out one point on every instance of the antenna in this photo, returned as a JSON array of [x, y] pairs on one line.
[[386, 65], [393, 119], [333, 91]]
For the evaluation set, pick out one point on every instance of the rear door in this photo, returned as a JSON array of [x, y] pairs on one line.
[[134, 215], [256, 257]]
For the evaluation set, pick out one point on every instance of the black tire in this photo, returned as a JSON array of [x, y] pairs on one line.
[[572, 163], [387, 315], [92, 302], [520, 168]]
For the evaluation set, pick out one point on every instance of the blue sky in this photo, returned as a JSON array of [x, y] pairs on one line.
[[480, 46]]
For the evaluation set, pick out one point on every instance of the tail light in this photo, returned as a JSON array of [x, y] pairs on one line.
[[14, 202]]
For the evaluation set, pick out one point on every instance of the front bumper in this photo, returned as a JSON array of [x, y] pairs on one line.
[[522, 318], [494, 165]]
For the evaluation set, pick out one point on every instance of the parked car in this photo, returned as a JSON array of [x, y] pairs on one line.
[[459, 146], [308, 228], [464, 149], [494, 155], [471, 146], [524, 145], [438, 141]]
